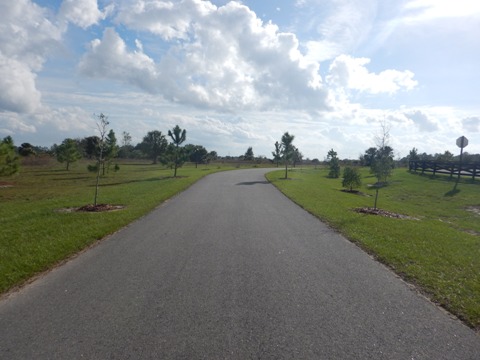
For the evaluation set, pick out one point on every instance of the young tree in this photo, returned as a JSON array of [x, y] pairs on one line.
[[178, 136], [249, 155], [287, 150], [67, 152], [334, 165], [125, 150], [102, 124], [382, 165], [111, 149], [277, 154], [9, 161], [297, 156], [154, 144], [351, 178]]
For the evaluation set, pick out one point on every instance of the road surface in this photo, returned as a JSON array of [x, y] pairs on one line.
[[229, 269]]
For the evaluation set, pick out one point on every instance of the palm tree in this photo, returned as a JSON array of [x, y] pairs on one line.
[[178, 136]]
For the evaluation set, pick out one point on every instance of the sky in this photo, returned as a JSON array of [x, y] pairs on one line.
[[239, 74]]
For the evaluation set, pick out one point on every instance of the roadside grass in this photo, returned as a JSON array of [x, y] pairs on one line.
[[37, 230], [438, 250]]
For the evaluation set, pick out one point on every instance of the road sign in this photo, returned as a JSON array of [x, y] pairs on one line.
[[462, 142]]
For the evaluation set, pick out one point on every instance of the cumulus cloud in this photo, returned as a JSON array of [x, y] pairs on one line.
[[351, 73], [83, 13], [221, 57], [471, 124], [422, 121], [110, 58], [26, 38], [17, 87]]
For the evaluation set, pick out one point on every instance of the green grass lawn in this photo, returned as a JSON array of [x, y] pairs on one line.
[[36, 232], [438, 250]]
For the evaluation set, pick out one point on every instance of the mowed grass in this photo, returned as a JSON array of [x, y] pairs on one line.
[[438, 250], [35, 230]]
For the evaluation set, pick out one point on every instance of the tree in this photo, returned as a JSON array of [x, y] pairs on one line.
[[67, 152], [196, 154], [413, 155], [287, 150], [125, 150], [334, 165], [249, 155], [91, 146], [369, 156], [447, 156], [178, 136], [297, 156], [351, 178], [277, 154], [212, 156], [9, 161], [102, 124], [154, 144], [111, 149], [26, 149], [382, 165]]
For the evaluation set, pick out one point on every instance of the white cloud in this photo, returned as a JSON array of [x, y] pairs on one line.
[[26, 38], [471, 124], [426, 10], [110, 58], [219, 57], [83, 13], [351, 73], [422, 121], [17, 87], [170, 20]]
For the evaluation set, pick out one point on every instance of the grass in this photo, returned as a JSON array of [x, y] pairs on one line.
[[439, 250], [35, 234]]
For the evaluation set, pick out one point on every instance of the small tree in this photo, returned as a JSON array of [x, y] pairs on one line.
[[297, 157], [277, 154], [9, 161], [67, 152], [382, 165], [334, 165], [178, 137], [249, 155], [102, 124], [351, 178], [287, 150], [111, 149]]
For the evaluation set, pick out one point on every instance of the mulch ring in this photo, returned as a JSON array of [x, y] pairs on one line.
[[380, 212], [93, 208]]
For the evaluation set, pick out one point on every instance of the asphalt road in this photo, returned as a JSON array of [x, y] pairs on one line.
[[229, 269]]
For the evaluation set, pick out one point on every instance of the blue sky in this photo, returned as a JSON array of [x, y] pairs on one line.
[[240, 74]]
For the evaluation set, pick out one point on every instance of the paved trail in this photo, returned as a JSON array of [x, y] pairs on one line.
[[229, 269]]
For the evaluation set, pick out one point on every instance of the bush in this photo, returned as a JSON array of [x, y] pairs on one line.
[[351, 178]]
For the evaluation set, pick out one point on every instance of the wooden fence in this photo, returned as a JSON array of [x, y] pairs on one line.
[[450, 168]]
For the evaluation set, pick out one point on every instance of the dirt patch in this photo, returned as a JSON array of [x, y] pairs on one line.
[[4, 184], [93, 208], [380, 212]]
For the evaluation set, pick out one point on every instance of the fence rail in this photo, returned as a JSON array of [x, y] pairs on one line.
[[450, 168]]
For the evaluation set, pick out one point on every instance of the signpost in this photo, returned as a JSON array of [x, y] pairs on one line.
[[462, 142]]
